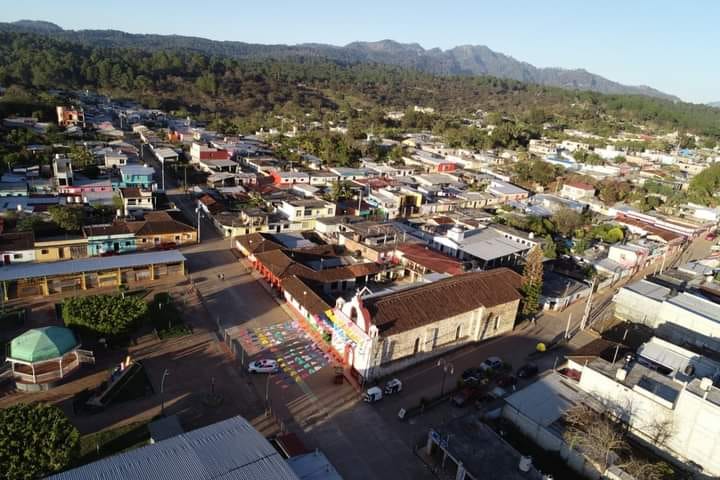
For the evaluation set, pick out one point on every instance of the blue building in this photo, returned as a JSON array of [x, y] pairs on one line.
[[109, 239], [136, 176]]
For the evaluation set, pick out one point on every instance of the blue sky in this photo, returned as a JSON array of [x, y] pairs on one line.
[[670, 45]]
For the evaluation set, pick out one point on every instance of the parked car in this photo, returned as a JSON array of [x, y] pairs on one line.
[[472, 375], [492, 363], [497, 393], [373, 394], [466, 396], [570, 373], [507, 381], [528, 370], [711, 236], [393, 386], [263, 366]]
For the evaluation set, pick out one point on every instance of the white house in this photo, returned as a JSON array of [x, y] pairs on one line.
[[677, 414], [577, 191]]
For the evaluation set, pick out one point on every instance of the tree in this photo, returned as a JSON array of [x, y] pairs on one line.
[[29, 223], [104, 314], [532, 282], [35, 441], [612, 191], [340, 191], [567, 221], [705, 185], [68, 218], [81, 157], [603, 440], [550, 249], [594, 434]]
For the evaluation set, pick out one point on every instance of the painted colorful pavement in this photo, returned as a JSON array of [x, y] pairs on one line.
[[294, 350]]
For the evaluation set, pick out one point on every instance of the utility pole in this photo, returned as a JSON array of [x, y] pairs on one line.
[[267, 394], [588, 307], [162, 392], [567, 327], [198, 210], [447, 367], [162, 173]]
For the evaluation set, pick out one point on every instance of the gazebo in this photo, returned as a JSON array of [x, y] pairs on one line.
[[43, 355]]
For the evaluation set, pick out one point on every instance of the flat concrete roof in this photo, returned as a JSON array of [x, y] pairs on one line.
[[36, 270], [547, 399]]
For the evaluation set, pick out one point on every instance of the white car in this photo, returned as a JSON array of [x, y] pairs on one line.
[[492, 363], [263, 366]]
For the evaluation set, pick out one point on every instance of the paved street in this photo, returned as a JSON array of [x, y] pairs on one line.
[[303, 397], [326, 416]]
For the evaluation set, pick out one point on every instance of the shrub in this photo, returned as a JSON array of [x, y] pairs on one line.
[[36, 441], [104, 314]]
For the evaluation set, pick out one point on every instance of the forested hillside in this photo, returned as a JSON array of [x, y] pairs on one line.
[[461, 60], [208, 86]]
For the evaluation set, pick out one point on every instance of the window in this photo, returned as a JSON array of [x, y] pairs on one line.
[[298, 213], [177, 237], [127, 244], [44, 251], [17, 256], [497, 322], [416, 348], [334, 286], [330, 211], [458, 332]]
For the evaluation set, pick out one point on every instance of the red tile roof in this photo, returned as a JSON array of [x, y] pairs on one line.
[[580, 185], [426, 304], [430, 259]]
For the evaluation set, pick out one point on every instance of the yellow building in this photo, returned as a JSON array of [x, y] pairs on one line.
[[60, 248], [72, 276]]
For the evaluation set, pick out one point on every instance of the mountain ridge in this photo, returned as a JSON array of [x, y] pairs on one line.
[[465, 60]]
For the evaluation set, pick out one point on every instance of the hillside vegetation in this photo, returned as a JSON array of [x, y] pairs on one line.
[[211, 86]]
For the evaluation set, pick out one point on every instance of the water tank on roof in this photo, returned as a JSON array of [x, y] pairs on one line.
[[525, 464], [706, 384]]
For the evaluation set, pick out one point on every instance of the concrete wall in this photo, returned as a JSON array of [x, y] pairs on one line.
[[692, 425], [550, 442], [53, 253], [633, 307], [396, 352]]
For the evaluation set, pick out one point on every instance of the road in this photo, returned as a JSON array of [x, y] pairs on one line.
[[328, 416]]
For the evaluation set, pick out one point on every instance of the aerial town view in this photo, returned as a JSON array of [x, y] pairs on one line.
[[259, 242]]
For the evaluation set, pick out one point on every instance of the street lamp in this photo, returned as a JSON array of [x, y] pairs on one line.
[[447, 367], [162, 391], [267, 394], [198, 210]]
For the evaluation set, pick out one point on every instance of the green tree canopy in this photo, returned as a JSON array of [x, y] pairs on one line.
[[567, 220], [68, 218], [104, 314], [35, 441], [532, 282], [705, 186], [81, 157]]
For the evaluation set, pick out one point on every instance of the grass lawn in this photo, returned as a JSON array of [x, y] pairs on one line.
[[95, 446]]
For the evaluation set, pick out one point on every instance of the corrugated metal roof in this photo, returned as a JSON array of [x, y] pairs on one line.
[[15, 272], [697, 305], [648, 289], [227, 450]]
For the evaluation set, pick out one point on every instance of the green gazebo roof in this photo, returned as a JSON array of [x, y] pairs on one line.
[[41, 344]]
